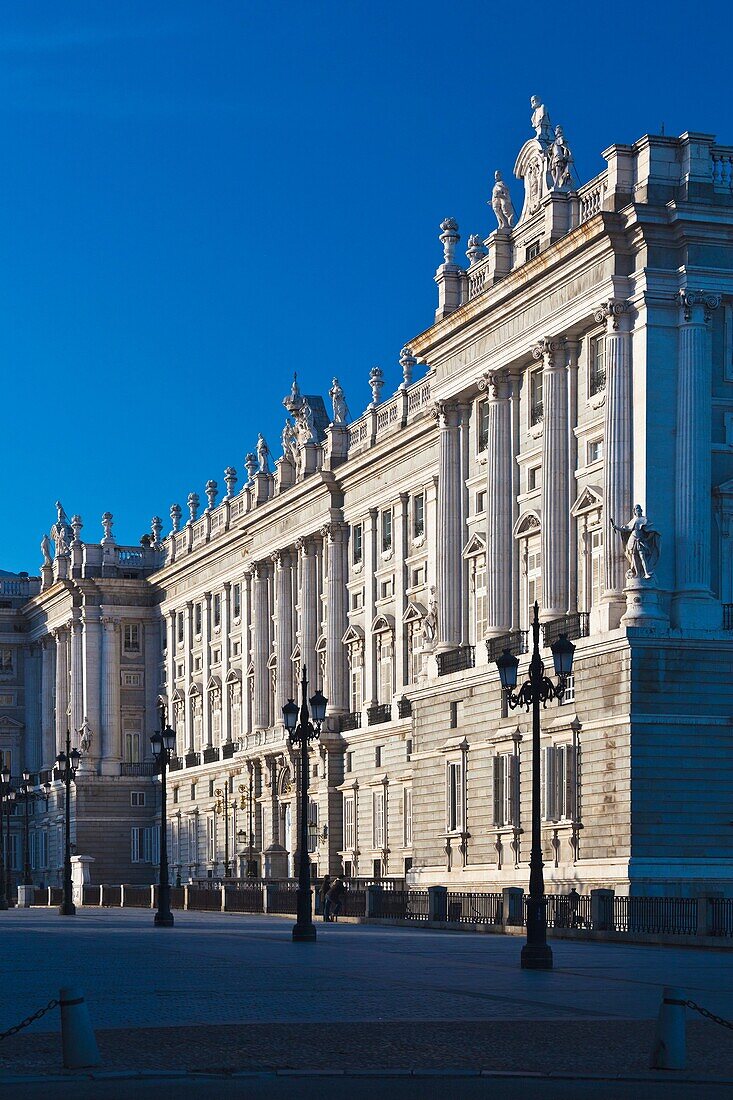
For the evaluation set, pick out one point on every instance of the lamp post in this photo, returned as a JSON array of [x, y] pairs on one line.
[[25, 791], [538, 689], [301, 731], [4, 790], [67, 764], [9, 806], [222, 807], [251, 869], [163, 743]]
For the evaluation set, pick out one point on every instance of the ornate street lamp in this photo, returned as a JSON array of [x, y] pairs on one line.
[[251, 862], [538, 689], [4, 791], [301, 732], [9, 807], [163, 743], [222, 807], [67, 764]]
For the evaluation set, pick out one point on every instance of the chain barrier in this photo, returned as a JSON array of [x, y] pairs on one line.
[[29, 1020], [708, 1015]]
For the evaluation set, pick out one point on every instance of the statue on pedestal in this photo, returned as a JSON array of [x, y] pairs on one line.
[[263, 454], [560, 159], [541, 120], [642, 545], [46, 550], [501, 202], [340, 411], [430, 622]]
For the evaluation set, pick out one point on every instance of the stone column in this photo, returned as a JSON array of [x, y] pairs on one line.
[[308, 609], [554, 534], [261, 654], [206, 671], [92, 653], [48, 725], [247, 702], [571, 347], [499, 536], [226, 619], [617, 469], [337, 676], [450, 561], [187, 667], [403, 542], [152, 643], [77, 675], [32, 684], [693, 604], [370, 590], [170, 663], [62, 687], [284, 688], [111, 749]]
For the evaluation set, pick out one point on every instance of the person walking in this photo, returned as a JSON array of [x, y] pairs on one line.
[[336, 899], [325, 887], [573, 903]]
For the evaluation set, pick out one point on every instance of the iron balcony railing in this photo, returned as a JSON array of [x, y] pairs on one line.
[[456, 660], [574, 626], [378, 714], [404, 707], [227, 750], [142, 768], [192, 759], [210, 755], [176, 764], [728, 616], [351, 721], [516, 642]]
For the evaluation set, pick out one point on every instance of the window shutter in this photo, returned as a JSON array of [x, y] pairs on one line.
[[571, 782], [514, 788], [548, 784], [134, 845], [498, 792]]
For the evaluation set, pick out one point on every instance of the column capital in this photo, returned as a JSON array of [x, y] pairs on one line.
[[333, 531], [446, 413], [610, 312], [304, 545], [546, 349], [60, 633], [698, 305], [109, 622], [495, 383]]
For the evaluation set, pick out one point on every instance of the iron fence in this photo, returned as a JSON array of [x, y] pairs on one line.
[[456, 660], [111, 895], [244, 897], [566, 912], [282, 897], [137, 897], [403, 904], [204, 898], [470, 908], [721, 916], [671, 916]]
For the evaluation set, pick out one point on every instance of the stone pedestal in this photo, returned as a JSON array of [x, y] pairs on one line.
[[81, 875], [642, 605], [499, 244], [25, 897], [276, 862]]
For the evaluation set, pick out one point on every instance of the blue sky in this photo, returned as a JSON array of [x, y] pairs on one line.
[[197, 199]]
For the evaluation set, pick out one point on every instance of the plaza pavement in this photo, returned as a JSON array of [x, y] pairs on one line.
[[226, 993]]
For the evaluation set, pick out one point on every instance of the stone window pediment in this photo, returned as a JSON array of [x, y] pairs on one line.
[[589, 499], [476, 545], [414, 612], [529, 523], [383, 623]]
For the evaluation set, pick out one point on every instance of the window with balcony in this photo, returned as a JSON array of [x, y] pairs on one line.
[[536, 404], [357, 543], [596, 365], [418, 515], [386, 530]]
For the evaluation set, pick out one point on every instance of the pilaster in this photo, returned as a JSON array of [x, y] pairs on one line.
[[110, 747], [48, 725], [206, 669], [62, 687], [337, 686], [450, 562], [554, 531], [92, 651], [499, 469], [261, 653]]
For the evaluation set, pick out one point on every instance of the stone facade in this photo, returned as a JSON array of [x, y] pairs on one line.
[[582, 363]]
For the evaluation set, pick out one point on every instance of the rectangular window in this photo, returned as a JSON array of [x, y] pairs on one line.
[[596, 365], [454, 715], [210, 839], [378, 833], [418, 515], [534, 478], [6, 659], [481, 502], [211, 788], [378, 756], [532, 250], [568, 695], [416, 652], [408, 749], [418, 576], [180, 671], [386, 530], [217, 610], [596, 558], [506, 789], [32, 849], [386, 589], [595, 450], [385, 661], [407, 816], [136, 845], [237, 601], [132, 748], [480, 600], [197, 619], [357, 599], [193, 839], [175, 796], [356, 681], [534, 580], [131, 638], [357, 543], [137, 798], [42, 850], [349, 824], [454, 797], [482, 425], [536, 405], [6, 759], [193, 792], [179, 627], [559, 783], [349, 761], [236, 649]]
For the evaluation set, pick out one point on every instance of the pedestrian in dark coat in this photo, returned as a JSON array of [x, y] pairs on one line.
[[325, 887], [336, 899]]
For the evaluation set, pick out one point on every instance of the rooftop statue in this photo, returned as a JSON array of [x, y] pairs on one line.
[[541, 121], [263, 454], [340, 410], [560, 159], [501, 202], [46, 550], [642, 545]]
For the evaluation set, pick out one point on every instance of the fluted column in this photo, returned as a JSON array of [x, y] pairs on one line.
[[170, 663], [284, 630], [450, 562], [187, 671], [226, 620], [206, 670], [617, 470], [261, 654], [554, 535], [32, 683], [111, 747], [48, 725], [693, 602], [308, 608], [247, 651], [92, 653], [337, 678], [370, 593], [77, 675], [152, 632], [403, 541], [499, 482], [62, 687]]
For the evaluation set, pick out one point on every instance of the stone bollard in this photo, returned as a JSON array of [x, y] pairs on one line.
[[374, 901], [223, 897], [25, 896], [78, 1041], [437, 903], [122, 897], [668, 1051], [512, 906], [601, 910], [269, 897], [185, 897]]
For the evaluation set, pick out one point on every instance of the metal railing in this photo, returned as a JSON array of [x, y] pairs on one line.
[[671, 916], [136, 897], [244, 897], [574, 626], [140, 769], [192, 759], [351, 721], [176, 764], [516, 642], [282, 897], [210, 755], [403, 904], [204, 898], [466, 907], [227, 750], [456, 660], [728, 616], [536, 413], [566, 912], [721, 916], [597, 381], [379, 714]]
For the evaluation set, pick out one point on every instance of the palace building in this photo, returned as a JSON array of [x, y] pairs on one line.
[[580, 364]]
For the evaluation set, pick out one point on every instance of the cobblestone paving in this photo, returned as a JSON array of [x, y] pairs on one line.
[[226, 991]]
